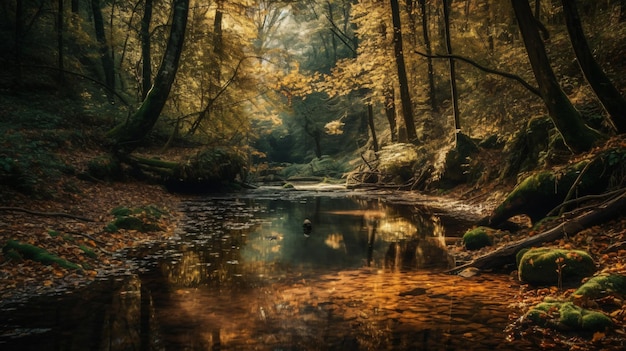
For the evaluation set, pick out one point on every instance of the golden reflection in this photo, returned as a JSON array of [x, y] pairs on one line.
[[396, 229], [335, 241], [375, 309]]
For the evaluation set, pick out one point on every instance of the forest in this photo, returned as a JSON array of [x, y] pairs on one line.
[[516, 106]]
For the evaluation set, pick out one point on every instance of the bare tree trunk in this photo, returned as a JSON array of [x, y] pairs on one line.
[[613, 102], [146, 71], [429, 60], [453, 89], [107, 61], [60, 29], [390, 112], [75, 6], [370, 123], [568, 121], [19, 32], [128, 135], [405, 96]]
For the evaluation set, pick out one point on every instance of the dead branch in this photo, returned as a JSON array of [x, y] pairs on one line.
[[46, 214]]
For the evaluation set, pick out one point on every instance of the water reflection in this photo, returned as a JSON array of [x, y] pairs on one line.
[[239, 242], [242, 275]]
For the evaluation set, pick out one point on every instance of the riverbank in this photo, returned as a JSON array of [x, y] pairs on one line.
[[72, 226]]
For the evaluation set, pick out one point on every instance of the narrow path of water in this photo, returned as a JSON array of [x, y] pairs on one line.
[[245, 274]]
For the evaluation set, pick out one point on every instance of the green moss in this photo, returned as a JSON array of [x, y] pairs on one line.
[[288, 186], [567, 316], [143, 219], [539, 266], [477, 238], [38, 254], [88, 251], [121, 211], [603, 285]]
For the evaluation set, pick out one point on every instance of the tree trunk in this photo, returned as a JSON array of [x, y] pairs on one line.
[[453, 90], [213, 90], [19, 32], [429, 60], [146, 68], [568, 121], [405, 96], [60, 29], [613, 102], [75, 6], [390, 112], [107, 61], [129, 134], [370, 122], [506, 254]]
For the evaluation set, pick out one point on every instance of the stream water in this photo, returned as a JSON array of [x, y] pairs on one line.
[[244, 274]]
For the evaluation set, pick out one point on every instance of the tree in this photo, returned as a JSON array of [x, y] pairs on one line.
[[146, 67], [405, 96], [60, 29], [107, 60], [569, 122], [127, 135], [613, 102], [453, 88], [429, 60]]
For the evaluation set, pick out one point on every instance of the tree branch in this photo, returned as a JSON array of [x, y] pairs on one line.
[[47, 214], [485, 69]]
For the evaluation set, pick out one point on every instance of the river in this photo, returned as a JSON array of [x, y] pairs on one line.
[[243, 273]]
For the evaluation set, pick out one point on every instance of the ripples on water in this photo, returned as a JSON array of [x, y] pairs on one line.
[[241, 275]]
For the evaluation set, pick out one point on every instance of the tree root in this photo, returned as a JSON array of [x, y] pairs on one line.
[[506, 254]]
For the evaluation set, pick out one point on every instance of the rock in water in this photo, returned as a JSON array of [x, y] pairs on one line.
[[307, 227]]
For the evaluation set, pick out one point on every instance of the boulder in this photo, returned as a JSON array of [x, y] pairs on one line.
[[541, 266], [477, 238], [567, 316]]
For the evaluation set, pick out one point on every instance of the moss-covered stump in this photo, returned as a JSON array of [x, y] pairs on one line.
[[477, 238], [105, 168], [16, 249], [549, 266], [142, 219], [567, 316], [601, 286], [457, 162], [541, 192], [532, 146]]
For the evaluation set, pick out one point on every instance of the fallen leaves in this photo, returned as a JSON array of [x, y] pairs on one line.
[[86, 244]]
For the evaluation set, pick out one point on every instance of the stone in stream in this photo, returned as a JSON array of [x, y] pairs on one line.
[[307, 227]]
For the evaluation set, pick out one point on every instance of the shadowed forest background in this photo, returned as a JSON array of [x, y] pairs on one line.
[[296, 88]]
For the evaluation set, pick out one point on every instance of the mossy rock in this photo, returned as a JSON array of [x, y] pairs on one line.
[[15, 248], [477, 238], [539, 266], [399, 160], [143, 219], [603, 285], [567, 316], [105, 168]]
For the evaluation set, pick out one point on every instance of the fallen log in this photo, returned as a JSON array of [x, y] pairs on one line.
[[506, 254]]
